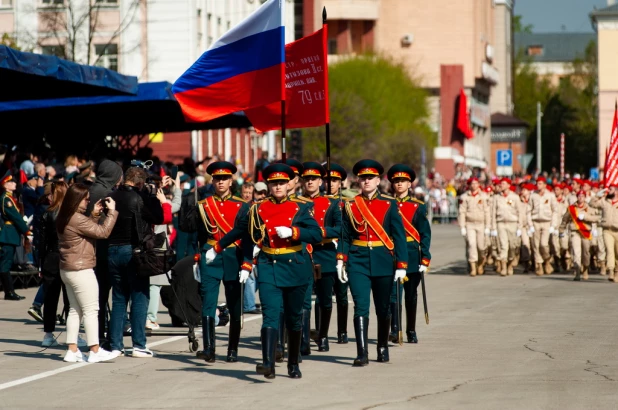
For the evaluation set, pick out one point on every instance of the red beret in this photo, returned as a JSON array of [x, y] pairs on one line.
[[507, 180], [513, 188], [470, 180], [581, 192], [586, 182], [541, 179], [595, 184]]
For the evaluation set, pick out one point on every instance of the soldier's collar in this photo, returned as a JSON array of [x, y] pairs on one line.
[[275, 201], [404, 199], [8, 193], [225, 197], [374, 196]]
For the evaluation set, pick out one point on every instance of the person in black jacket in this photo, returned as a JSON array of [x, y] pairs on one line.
[[134, 199], [49, 259], [109, 177]]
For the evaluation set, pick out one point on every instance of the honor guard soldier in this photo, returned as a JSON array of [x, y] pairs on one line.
[[579, 219], [506, 226], [11, 230], [280, 227], [219, 212], [374, 247], [542, 221], [327, 214], [418, 236], [338, 174], [474, 221], [607, 201]]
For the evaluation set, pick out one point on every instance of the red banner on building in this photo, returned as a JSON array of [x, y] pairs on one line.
[[306, 92]]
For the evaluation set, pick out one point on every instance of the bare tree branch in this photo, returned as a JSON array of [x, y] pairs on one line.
[[124, 24]]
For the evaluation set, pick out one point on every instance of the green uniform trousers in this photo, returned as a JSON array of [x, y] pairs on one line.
[[273, 297], [308, 294], [6, 257], [210, 296], [410, 287], [362, 286], [325, 287]]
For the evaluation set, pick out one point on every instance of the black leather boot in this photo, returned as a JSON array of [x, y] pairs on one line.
[[294, 337], [305, 343], [361, 325], [269, 344], [280, 352], [314, 333], [7, 286], [325, 314], [395, 311], [384, 324], [342, 323], [208, 332], [233, 339], [411, 320]]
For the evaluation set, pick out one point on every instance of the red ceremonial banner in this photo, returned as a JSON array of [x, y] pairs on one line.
[[306, 88]]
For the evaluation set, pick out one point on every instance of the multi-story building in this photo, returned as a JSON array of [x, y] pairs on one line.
[[155, 40], [449, 45]]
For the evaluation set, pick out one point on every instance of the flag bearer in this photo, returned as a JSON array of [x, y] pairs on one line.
[[607, 202]]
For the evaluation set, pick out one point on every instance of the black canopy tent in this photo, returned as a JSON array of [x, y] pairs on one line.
[[29, 76], [82, 122]]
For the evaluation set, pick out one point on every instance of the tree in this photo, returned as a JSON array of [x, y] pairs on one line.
[[518, 26], [9, 41], [377, 110], [75, 26]]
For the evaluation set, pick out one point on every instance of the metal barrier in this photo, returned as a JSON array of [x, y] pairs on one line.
[[443, 211]]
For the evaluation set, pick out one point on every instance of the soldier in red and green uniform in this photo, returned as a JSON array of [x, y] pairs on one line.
[[418, 236], [11, 230], [327, 214], [281, 228], [374, 247], [219, 212]]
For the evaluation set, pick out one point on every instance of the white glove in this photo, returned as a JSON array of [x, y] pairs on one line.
[[256, 251], [243, 275], [531, 230], [595, 233], [519, 233], [581, 216], [210, 255], [487, 232], [400, 274], [463, 231], [422, 268], [284, 232], [336, 242], [343, 278], [494, 233], [30, 238], [602, 192], [551, 230]]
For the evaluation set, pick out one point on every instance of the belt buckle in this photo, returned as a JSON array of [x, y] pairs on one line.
[[277, 251]]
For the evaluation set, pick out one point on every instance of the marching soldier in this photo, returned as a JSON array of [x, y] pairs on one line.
[[607, 202], [506, 226], [526, 236], [474, 221], [542, 222], [327, 214], [560, 245], [373, 259], [280, 227], [418, 235], [219, 212], [338, 174], [13, 227], [579, 219]]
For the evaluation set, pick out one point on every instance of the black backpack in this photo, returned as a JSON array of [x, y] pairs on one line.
[[189, 214]]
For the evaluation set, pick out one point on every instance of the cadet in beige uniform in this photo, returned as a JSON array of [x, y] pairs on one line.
[[560, 244], [576, 185], [542, 222], [606, 200], [492, 247], [579, 219], [474, 223], [525, 252], [506, 226]]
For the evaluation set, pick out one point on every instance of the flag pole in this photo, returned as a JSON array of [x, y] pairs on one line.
[[327, 116]]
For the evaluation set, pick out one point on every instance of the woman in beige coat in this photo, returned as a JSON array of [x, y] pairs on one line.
[[77, 236]]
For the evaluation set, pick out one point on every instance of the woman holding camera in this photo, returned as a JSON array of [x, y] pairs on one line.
[[77, 235]]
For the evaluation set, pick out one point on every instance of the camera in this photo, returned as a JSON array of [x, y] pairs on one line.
[[141, 164]]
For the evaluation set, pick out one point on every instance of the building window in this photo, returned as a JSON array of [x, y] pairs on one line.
[[6, 3], [52, 2], [535, 51], [57, 51], [112, 2], [107, 56], [332, 46]]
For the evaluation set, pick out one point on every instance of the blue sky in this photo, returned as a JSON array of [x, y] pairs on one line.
[[551, 15]]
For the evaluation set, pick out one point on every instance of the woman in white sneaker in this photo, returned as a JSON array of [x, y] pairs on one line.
[[77, 236]]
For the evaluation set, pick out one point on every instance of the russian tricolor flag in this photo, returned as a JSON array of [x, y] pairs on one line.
[[241, 70]]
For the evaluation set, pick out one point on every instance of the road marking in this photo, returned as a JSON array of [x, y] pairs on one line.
[[50, 373]]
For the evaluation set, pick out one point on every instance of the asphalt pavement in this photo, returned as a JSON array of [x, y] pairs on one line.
[[519, 342]]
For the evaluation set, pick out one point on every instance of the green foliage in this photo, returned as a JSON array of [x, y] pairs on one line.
[[518, 26], [569, 107], [377, 111], [9, 41]]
